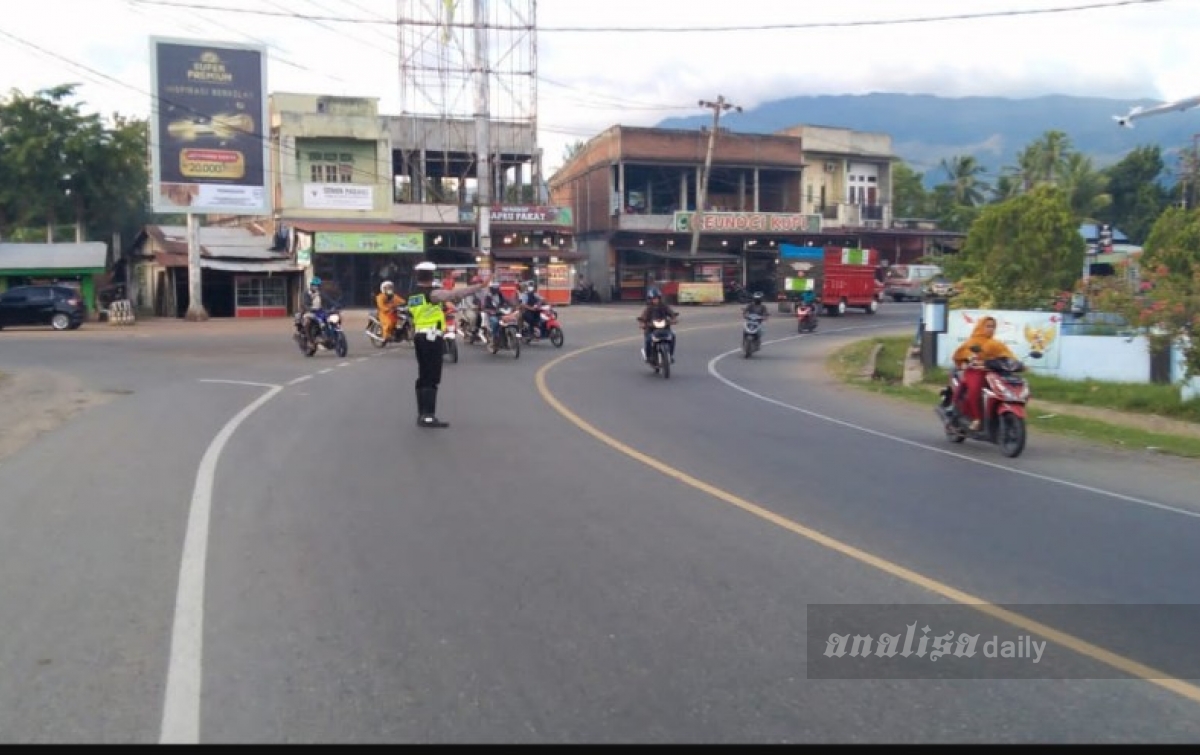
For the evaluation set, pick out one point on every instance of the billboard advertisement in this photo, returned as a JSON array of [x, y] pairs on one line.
[[209, 136]]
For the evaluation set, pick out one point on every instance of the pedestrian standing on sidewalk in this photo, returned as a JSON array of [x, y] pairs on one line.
[[429, 322]]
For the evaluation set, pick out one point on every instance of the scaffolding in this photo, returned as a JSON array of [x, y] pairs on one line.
[[450, 111]]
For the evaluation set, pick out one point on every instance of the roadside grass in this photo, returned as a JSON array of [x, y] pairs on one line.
[[849, 364]]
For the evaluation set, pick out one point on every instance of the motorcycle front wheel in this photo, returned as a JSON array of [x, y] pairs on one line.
[[747, 346], [556, 337], [664, 359], [452, 348], [341, 348], [1011, 435], [514, 343]]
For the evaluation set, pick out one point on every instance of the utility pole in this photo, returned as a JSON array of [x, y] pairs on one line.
[[483, 141], [717, 107]]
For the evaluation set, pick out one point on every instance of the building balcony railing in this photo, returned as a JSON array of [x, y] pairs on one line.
[[857, 216]]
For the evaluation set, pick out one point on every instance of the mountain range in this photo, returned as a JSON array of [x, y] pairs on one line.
[[927, 129]]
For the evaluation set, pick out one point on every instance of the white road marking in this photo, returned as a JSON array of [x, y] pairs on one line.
[[181, 706], [300, 380], [712, 369]]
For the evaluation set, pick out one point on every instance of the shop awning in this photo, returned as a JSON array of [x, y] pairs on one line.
[[276, 266]]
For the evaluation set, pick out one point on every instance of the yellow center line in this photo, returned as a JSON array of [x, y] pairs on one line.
[[1080, 646]]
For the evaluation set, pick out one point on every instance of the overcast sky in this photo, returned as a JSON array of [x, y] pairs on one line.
[[601, 76]]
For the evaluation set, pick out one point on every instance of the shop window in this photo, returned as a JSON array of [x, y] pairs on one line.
[[253, 293]]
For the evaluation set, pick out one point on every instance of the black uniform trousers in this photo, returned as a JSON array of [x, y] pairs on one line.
[[429, 361]]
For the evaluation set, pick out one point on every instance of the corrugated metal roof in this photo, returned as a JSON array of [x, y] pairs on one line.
[[93, 254], [218, 242]]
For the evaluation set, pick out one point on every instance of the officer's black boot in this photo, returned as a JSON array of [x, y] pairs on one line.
[[428, 404]]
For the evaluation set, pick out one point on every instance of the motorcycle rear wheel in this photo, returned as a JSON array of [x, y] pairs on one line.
[[452, 347], [375, 335]]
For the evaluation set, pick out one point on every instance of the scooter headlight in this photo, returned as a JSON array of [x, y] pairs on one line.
[[335, 319]]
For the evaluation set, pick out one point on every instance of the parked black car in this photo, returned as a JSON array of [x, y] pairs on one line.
[[60, 307]]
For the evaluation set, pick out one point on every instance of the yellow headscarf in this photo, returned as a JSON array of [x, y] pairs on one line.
[[990, 346]]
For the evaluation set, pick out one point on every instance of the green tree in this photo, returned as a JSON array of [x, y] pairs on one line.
[[1084, 186], [966, 186], [909, 198], [1021, 253], [58, 164], [1137, 197], [1166, 299], [571, 150]]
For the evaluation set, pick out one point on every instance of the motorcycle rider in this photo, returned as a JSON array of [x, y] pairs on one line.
[[970, 365], [756, 306], [386, 302], [429, 322], [530, 300], [315, 302], [491, 305], [656, 310]]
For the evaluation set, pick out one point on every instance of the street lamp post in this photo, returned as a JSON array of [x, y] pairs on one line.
[[717, 107]]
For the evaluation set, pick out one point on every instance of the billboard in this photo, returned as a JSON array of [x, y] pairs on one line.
[[209, 138]]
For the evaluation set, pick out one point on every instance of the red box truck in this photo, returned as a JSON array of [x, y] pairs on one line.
[[839, 278]]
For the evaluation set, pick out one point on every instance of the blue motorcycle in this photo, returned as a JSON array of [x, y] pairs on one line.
[[322, 331]]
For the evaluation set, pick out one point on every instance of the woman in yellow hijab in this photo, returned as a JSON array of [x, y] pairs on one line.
[[984, 336]]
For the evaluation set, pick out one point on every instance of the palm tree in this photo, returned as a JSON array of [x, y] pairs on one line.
[[1044, 161], [964, 171], [1085, 187]]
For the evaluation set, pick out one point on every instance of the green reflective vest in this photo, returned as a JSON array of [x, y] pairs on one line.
[[426, 314]]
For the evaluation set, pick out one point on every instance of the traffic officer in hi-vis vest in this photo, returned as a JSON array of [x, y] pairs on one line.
[[429, 322]]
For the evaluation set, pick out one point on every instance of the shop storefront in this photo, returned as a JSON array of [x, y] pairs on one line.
[[554, 274], [638, 270], [353, 259]]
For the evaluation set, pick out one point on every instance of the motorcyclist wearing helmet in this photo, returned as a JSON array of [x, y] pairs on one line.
[[756, 306], [530, 300], [492, 302], [386, 302], [656, 309], [316, 301]]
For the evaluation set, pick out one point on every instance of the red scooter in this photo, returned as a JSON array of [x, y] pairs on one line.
[[1004, 396], [548, 326], [806, 317]]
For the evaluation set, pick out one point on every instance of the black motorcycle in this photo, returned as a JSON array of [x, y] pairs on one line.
[[322, 331], [659, 357], [508, 334]]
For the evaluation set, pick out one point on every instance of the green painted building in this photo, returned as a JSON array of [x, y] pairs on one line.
[[75, 265]]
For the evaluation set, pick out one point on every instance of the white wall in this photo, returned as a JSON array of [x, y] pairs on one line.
[[1113, 359]]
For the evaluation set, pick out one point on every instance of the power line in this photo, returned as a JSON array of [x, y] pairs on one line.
[[682, 29]]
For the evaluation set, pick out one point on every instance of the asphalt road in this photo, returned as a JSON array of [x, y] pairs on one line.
[[245, 545]]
